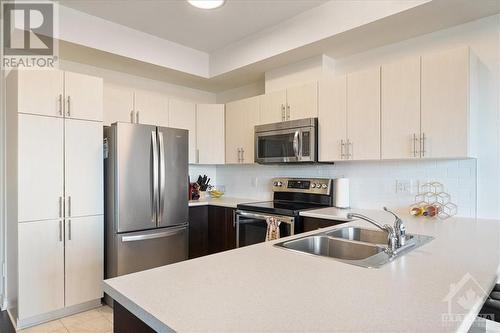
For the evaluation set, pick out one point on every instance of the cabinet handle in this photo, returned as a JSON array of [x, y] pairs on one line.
[[197, 156], [60, 207], [342, 145], [60, 104], [414, 145], [349, 145], [242, 155], [283, 112], [287, 112], [69, 205], [132, 116], [60, 230], [422, 145], [137, 117], [69, 106], [69, 229]]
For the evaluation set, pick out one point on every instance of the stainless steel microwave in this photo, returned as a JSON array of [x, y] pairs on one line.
[[294, 141]]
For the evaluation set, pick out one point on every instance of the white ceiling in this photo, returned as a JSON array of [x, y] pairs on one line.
[[204, 30]]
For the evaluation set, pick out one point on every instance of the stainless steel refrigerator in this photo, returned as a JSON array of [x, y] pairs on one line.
[[146, 197]]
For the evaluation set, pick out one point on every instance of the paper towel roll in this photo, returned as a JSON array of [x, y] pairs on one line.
[[341, 192]]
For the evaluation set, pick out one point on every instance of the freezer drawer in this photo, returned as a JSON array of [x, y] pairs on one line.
[[137, 251]]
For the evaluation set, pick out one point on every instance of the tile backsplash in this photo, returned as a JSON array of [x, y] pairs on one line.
[[372, 184]]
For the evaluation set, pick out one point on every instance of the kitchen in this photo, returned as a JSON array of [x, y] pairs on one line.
[[296, 123]]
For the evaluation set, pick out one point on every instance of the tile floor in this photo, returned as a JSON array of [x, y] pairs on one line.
[[98, 320]]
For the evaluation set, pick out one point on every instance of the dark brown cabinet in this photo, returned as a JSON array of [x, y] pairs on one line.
[[211, 230], [198, 231], [310, 223]]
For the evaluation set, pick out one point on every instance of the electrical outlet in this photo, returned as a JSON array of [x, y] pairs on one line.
[[403, 186]]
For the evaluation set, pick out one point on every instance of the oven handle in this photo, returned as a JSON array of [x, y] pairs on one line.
[[236, 220], [286, 219]]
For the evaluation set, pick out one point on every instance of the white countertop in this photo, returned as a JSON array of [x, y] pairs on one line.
[[223, 201], [262, 288]]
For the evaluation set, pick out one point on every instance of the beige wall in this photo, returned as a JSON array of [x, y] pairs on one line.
[[140, 82]]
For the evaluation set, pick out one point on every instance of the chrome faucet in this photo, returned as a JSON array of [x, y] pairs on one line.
[[396, 235], [399, 228]]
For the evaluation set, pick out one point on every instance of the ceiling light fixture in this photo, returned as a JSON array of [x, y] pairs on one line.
[[206, 4]]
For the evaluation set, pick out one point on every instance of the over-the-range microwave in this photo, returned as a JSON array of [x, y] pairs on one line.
[[294, 141]]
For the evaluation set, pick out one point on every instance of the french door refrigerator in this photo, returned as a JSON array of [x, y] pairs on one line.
[[146, 197]]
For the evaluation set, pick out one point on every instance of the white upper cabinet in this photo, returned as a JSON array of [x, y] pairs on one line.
[[332, 119], [41, 267], [182, 115], [447, 103], [83, 96], [363, 115], [400, 109], [273, 107], [302, 101], [40, 167], [210, 133], [84, 260], [83, 168], [151, 108], [289, 104], [58, 94], [241, 118], [118, 104], [39, 91]]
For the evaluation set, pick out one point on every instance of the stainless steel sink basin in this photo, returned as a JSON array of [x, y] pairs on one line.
[[360, 235], [353, 245], [334, 248]]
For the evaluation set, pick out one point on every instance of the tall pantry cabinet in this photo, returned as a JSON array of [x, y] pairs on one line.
[[55, 193]]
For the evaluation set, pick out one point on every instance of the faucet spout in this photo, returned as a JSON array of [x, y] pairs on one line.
[[392, 239]]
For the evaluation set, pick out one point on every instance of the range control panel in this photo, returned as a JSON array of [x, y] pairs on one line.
[[305, 185]]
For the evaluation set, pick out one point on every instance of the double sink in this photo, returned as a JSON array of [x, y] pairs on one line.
[[353, 245]]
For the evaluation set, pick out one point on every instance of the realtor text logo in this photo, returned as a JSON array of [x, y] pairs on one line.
[[28, 34]]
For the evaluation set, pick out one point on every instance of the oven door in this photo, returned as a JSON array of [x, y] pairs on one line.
[[251, 227], [286, 145]]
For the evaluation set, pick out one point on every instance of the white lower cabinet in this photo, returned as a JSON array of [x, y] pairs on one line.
[[60, 264], [84, 261], [41, 267]]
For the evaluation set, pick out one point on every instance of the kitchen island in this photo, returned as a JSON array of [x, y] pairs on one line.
[[262, 288]]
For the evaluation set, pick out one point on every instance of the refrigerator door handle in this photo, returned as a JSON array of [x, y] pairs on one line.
[[154, 201], [162, 176], [163, 234]]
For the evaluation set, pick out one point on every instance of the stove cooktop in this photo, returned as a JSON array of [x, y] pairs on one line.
[[287, 208]]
